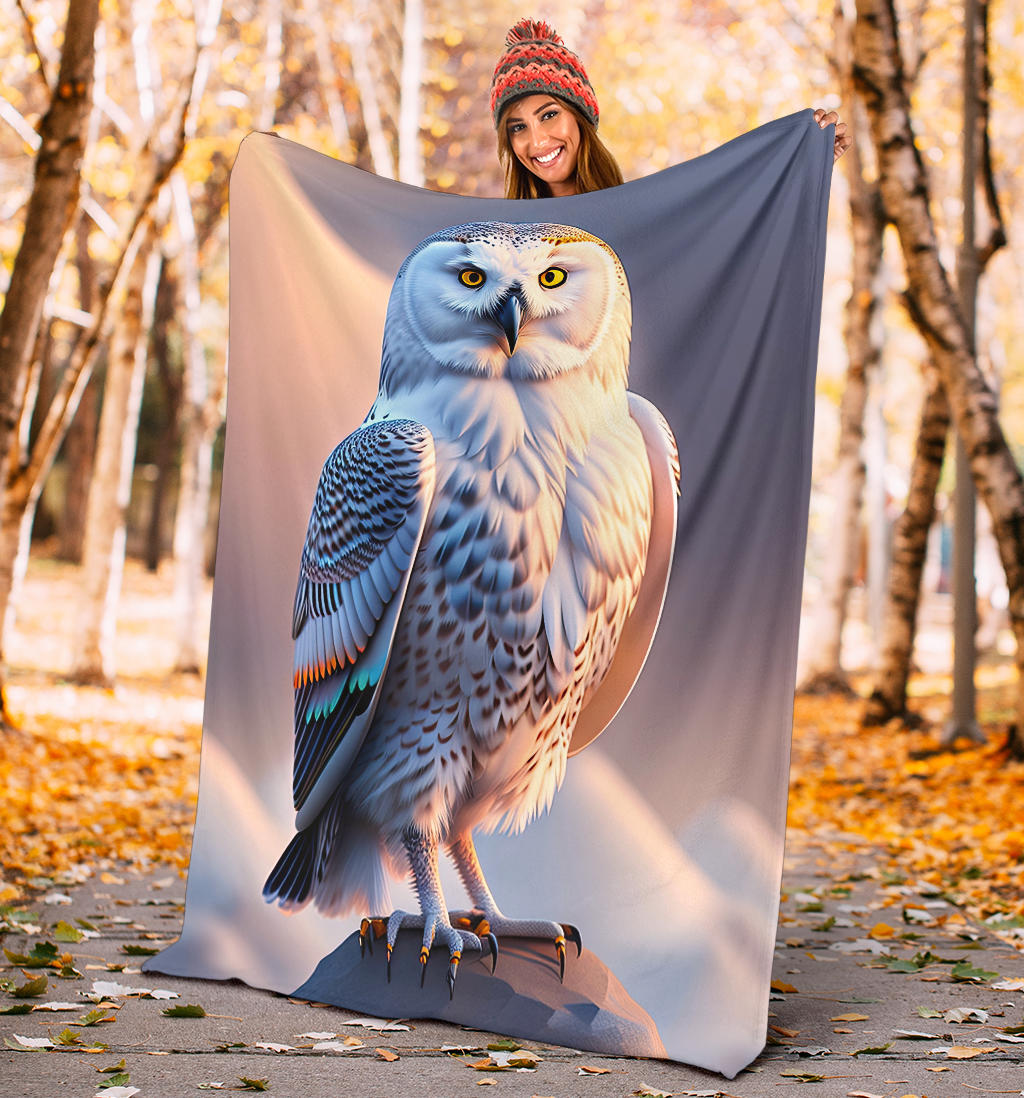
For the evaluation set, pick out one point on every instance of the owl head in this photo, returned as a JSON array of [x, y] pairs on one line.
[[520, 302]]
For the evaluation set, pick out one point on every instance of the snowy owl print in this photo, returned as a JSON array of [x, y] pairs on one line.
[[482, 577]]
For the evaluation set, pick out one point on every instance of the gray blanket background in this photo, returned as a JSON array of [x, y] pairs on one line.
[[665, 843]]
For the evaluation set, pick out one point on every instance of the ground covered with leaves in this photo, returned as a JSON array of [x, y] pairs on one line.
[[95, 779], [948, 816]]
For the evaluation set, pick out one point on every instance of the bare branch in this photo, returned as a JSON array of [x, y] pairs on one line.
[[30, 34]]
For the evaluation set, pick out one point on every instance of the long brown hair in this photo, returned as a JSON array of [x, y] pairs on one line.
[[595, 166]]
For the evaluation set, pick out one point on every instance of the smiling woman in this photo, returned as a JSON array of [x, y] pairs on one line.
[[546, 115]]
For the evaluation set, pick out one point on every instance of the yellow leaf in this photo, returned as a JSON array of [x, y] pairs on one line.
[[386, 1054], [783, 987], [960, 1052], [850, 1018], [881, 931]]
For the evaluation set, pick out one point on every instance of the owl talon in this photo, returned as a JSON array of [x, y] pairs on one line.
[[560, 952], [493, 943], [453, 971], [368, 930], [573, 934], [424, 957]]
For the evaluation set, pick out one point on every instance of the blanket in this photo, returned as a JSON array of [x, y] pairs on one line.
[[662, 847]]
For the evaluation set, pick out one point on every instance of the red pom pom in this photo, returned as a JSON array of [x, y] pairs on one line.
[[529, 30]]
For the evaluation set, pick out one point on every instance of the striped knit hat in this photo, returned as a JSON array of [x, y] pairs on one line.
[[536, 61]]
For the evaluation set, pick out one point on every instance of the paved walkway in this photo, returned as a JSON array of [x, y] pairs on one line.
[[843, 1020]]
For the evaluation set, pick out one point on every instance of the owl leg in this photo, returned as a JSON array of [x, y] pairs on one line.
[[422, 851], [463, 854]]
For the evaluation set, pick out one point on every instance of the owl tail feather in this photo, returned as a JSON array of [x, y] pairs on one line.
[[291, 880], [341, 865]]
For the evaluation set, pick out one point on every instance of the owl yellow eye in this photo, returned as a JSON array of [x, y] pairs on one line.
[[471, 277], [553, 276]]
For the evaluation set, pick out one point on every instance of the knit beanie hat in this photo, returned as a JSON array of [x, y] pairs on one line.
[[536, 61]]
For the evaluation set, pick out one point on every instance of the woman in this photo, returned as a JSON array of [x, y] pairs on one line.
[[546, 113]]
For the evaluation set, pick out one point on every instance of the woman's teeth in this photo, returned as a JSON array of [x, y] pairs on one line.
[[548, 157]]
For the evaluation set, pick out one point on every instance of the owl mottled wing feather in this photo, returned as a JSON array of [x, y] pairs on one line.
[[368, 517]]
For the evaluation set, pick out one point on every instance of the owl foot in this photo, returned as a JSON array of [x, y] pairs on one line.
[[436, 930], [497, 923]]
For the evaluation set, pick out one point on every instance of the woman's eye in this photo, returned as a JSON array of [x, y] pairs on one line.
[[553, 276], [471, 277]]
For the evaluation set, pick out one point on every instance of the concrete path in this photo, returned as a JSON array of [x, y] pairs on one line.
[[842, 1019]]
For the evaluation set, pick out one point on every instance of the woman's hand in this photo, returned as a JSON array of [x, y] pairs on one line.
[[843, 139]]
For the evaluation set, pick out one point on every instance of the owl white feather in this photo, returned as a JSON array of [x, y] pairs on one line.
[[483, 573]]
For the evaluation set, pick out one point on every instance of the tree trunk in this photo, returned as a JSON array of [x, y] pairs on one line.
[[110, 490], [200, 422], [889, 696], [167, 440], [80, 444], [863, 336], [410, 149], [359, 41], [25, 480], [51, 209]]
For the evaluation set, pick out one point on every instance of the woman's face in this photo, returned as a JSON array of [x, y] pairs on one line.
[[545, 138]]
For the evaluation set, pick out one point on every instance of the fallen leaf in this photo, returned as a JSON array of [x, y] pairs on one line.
[[334, 1046], [119, 1079], [783, 987], [271, 1047], [881, 931], [117, 1092], [645, 1090], [190, 1010], [941, 1067], [965, 1014], [113, 1068], [65, 932], [863, 1094], [914, 1035], [964, 972], [873, 1050], [94, 1018], [487, 1082], [376, 1023], [802, 1076], [31, 988], [850, 1018], [959, 1052], [386, 1054], [28, 1044], [55, 1006], [253, 1084], [927, 1012], [1009, 985], [318, 1036], [585, 1070], [785, 1032]]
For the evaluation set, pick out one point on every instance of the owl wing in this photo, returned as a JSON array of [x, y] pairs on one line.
[[638, 633], [368, 518]]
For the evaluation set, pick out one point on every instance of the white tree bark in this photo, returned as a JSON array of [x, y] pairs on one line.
[[110, 489], [200, 422], [410, 149], [358, 39]]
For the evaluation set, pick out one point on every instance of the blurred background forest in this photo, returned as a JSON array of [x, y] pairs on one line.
[[118, 128]]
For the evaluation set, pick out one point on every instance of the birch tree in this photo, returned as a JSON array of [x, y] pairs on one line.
[[888, 696], [863, 338], [110, 487], [932, 301]]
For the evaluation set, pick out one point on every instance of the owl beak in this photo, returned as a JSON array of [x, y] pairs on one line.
[[509, 316]]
